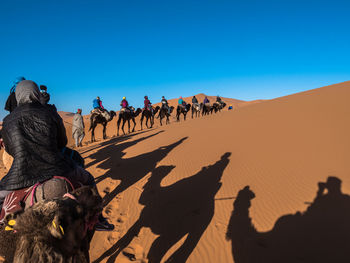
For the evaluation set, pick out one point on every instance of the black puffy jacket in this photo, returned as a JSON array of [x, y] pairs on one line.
[[34, 135]]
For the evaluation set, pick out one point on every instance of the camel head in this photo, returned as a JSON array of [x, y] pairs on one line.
[[138, 111], [171, 109], [57, 227], [188, 106], [156, 109], [243, 199], [112, 113]]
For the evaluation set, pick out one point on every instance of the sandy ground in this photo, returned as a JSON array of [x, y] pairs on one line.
[[172, 187]]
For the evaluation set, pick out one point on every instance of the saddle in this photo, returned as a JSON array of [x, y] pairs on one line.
[[19, 199], [103, 113], [207, 105]]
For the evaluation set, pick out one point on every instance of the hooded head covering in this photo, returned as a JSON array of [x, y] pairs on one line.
[[27, 91], [15, 82]]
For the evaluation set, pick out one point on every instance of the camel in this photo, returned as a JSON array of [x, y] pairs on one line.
[[163, 112], [56, 230], [149, 115], [97, 118], [196, 109], [218, 106], [180, 109], [127, 116], [206, 109]]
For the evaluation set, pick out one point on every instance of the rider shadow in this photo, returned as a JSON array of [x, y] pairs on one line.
[[172, 212], [129, 170], [320, 234]]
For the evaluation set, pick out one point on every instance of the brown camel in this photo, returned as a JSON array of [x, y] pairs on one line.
[[56, 230], [218, 106], [97, 118], [149, 115], [182, 109], [126, 116], [164, 113], [206, 109]]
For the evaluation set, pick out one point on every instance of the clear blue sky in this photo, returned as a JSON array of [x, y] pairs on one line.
[[242, 49]]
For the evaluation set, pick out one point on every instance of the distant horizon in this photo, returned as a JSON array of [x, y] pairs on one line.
[[245, 50]]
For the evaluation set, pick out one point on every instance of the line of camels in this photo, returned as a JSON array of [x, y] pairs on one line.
[[129, 115]]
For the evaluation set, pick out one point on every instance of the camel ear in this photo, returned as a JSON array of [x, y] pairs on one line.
[[55, 228]]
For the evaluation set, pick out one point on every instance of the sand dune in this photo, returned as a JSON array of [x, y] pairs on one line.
[[154, 180], [172, 188]]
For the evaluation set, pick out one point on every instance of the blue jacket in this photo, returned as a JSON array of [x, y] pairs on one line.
[[96, 104]]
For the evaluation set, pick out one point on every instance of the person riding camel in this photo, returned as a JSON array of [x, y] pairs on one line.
[[206, 101], [148, 104], [99, 109], [11, 102], [165, 104], [97, 104], [218, 100], [182, 103], [34, 135], [125, 105], [194, 100], [45, 97]]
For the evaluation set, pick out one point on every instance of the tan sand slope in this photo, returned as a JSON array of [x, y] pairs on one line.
[[179, 181], [154, 181]]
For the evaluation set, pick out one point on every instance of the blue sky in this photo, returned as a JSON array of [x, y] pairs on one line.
[[241, 49]]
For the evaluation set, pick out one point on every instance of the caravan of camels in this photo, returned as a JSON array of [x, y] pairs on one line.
[[99, 115]]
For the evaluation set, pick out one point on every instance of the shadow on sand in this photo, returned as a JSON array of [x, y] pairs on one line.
[[129, 170], [172, 212], [113, 140], [321, 234]]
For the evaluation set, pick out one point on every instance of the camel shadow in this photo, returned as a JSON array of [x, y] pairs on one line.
[[320, 234], [129, 170], [182, 209]]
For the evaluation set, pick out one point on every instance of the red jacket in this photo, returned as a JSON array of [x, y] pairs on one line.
[[147, 102]]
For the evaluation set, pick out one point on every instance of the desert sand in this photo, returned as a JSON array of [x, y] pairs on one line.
[[179, 181]]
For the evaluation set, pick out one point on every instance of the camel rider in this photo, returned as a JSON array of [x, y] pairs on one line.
[[11, 102], [148, 104], [45, 97], [182, 103], [97, 104], [165, 104], [206, 101], [36, 145], [194, 100], [218, 100], [99, 109], [125, 105]]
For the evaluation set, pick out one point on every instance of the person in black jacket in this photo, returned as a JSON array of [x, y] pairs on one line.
[[11, 102], [34, 135], [45, 97]]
